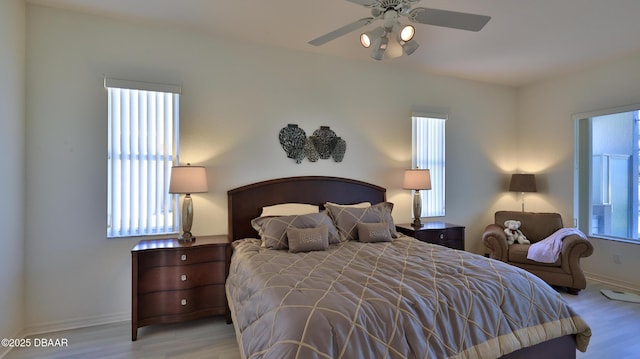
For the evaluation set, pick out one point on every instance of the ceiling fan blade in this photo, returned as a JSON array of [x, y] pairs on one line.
[[367, 3], [445, 18], [341, 31]]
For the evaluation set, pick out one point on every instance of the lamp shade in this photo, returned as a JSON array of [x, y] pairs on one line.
[[417, 179], [188, 179], [521, 182]]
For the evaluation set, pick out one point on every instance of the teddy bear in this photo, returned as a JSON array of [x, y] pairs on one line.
[[514, 235]]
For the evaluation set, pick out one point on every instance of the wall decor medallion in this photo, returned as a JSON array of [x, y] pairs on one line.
[[323, 144], [339, 149], [324, 140], [310, 150], [292, 139]]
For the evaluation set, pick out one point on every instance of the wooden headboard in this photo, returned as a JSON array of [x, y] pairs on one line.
[[246, 202]]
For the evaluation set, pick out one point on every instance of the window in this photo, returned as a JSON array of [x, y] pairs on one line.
[[428, 153], [606, 180], [142, 148]]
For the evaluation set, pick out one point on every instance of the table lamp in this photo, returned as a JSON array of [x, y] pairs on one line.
[[186, 180], [416, 180]]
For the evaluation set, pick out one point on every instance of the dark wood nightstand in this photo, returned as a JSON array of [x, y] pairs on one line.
[[444, 234], [174, 281]]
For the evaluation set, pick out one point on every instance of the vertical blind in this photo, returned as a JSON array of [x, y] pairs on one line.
[[428, 139], [142, 147]]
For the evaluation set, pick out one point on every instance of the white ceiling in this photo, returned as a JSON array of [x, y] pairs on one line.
[[525, 40]]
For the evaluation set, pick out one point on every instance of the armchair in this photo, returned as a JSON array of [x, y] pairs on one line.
[[565, 272]]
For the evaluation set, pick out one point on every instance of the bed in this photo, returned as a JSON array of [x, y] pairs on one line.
[[390, 299]]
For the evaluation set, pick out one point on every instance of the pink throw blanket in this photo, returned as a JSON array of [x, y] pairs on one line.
[[548, 249]]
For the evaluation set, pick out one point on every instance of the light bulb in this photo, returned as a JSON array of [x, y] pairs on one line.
[[365, 40], [407, 33]]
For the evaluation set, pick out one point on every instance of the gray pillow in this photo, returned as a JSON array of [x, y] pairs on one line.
[[308, 239], [347, 218], [373, 232], [273, 230]]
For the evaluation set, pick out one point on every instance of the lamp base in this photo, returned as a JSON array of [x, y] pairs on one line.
[[186, 237], [187, 219], [417, 208]]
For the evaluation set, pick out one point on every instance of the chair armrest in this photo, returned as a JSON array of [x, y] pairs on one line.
[[577, 244], [573, 248], [495, 239]]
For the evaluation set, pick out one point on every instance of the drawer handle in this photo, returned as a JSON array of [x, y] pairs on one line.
[[183, 277], [183, 302], [183, 257]]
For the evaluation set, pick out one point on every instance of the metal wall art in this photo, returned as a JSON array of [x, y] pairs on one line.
[[322, 144]]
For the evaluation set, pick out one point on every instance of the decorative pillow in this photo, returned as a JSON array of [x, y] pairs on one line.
[[354, 205], [346, 218], [372, 232], [308, 239], [289, 209], [273, 230]]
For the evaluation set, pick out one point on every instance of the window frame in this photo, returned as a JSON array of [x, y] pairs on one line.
[[433, 200], [583, 195], [147, 154]]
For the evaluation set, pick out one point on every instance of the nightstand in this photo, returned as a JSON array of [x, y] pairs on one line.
[[173, 281], [444, 234]]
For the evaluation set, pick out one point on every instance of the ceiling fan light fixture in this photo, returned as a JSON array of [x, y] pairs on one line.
[[380, 48], [394, 49], [369, 37], [365, 40], [407, 32], [409, 47]]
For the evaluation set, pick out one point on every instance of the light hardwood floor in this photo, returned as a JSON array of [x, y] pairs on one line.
[[615, 326]]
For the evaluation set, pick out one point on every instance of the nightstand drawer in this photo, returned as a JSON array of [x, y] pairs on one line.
[[182, 256], [452, 237], [438, 236], [181, 301], [180, 277], [444, 234]]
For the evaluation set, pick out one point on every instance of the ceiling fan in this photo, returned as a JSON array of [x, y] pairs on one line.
[[392, 39]]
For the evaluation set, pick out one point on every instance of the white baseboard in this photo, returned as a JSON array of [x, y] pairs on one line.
[[57, 326], [613, 282]]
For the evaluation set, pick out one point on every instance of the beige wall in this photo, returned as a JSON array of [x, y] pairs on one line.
[[546, 147], [12, 115], [236, 98]]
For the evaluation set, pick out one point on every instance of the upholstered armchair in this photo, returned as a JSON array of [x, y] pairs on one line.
[[565, 272]]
